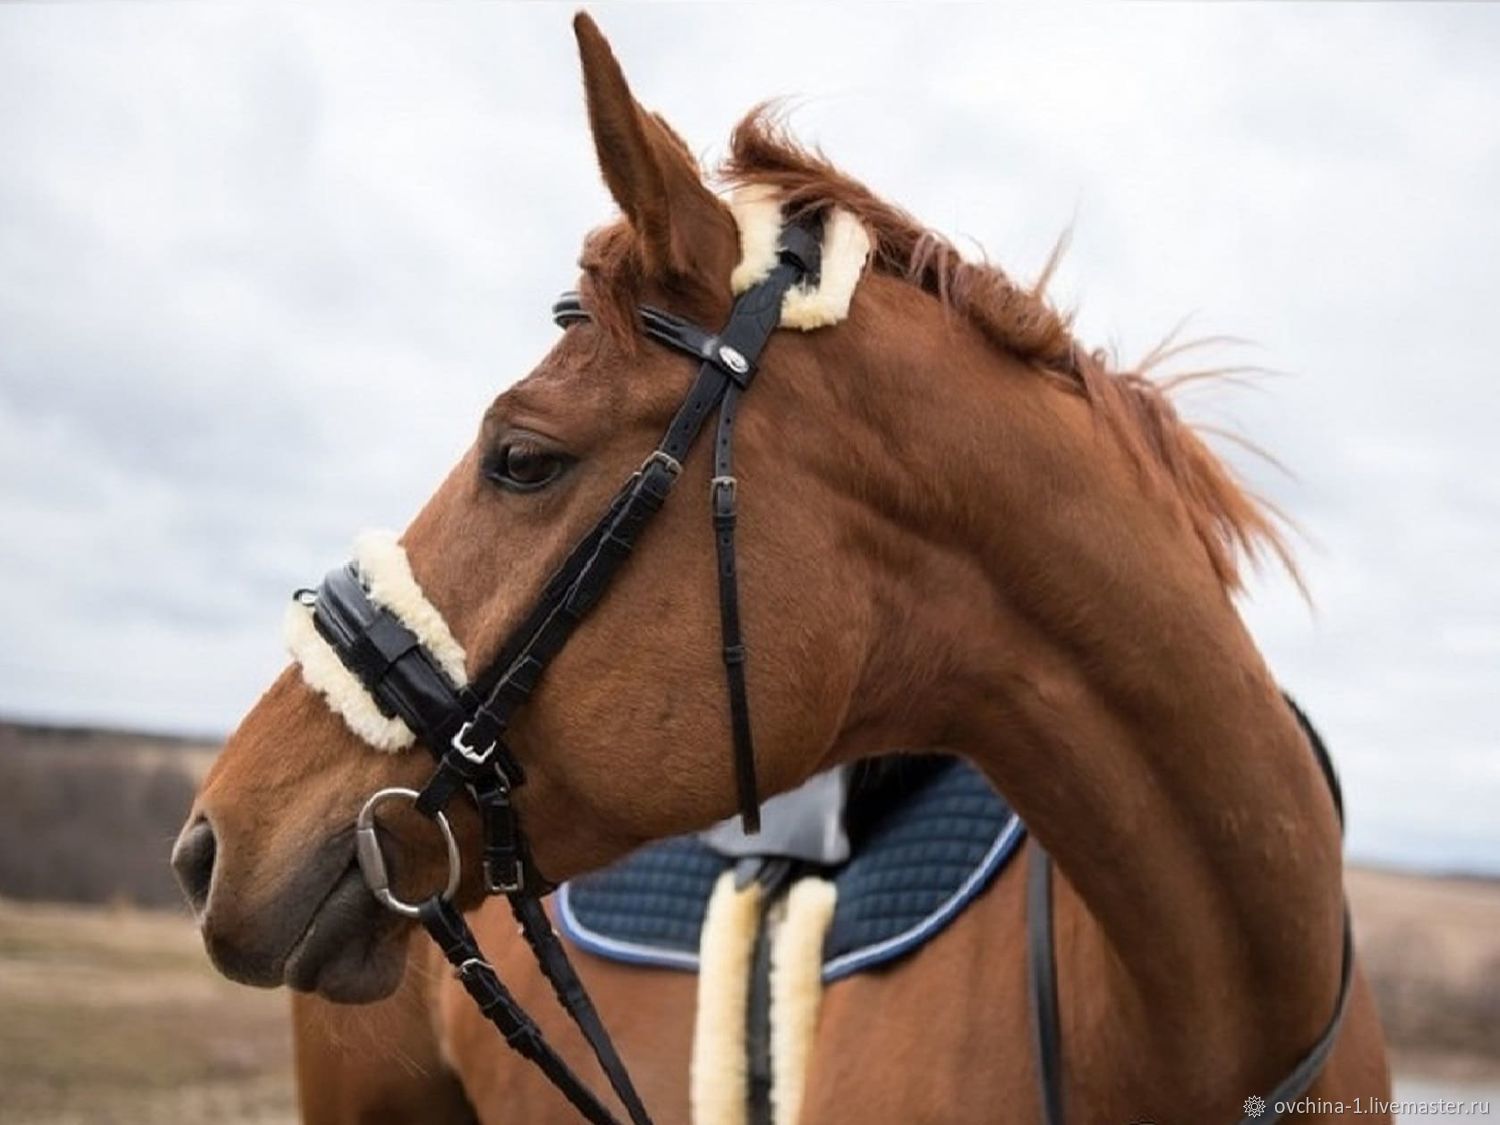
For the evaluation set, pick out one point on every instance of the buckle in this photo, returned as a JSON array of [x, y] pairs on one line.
[[472, 965], [729, 483], [665, 460], [459, 743], [508, 882]]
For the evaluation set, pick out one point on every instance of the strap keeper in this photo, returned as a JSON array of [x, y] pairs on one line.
[[503, 870], [734, 654], [800, 247], [524, 674], [654, 481]]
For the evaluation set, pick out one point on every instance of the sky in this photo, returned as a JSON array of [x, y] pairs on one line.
[[262, 268]]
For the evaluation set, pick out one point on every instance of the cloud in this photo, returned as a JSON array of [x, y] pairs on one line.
[[235, 244]]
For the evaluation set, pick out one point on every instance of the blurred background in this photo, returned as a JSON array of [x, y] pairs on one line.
[[262, 268]]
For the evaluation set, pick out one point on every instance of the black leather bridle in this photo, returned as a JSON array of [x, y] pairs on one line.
[[464, 726]]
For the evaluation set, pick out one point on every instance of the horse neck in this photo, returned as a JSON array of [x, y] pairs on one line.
[[1060, 624]]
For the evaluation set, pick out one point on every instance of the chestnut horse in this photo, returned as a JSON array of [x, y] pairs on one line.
[[959, 528]]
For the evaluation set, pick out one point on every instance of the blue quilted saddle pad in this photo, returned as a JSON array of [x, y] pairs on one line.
[[928, 834]]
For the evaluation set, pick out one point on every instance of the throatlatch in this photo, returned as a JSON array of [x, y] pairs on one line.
[[464, 725]]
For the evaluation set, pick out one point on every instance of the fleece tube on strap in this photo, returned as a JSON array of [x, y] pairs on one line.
[[718, 1079], [797, 991]]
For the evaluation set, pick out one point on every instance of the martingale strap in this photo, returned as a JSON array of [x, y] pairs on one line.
[[463, 726], [1041, 972]]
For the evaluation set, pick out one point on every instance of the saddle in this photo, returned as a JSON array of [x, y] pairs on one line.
[[925, 835]]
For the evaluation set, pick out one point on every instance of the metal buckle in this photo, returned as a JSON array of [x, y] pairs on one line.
[[498, 884], [665, 460], [372, 859], [478, 757], [730, 483], [462, 970]]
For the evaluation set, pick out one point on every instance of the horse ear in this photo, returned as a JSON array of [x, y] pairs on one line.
[[646, 166]]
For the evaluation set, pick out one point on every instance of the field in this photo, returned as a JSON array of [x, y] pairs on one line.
[[112, 1016], [109, 1012]]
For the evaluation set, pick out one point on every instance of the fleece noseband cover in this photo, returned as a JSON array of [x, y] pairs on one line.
[[377, 598]]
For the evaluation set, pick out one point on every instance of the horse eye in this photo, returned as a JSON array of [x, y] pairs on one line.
[[525, 466]]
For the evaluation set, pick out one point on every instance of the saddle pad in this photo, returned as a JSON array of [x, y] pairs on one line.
[[921, 854]]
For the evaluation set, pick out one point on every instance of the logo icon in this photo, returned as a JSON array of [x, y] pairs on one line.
[[1254, 1106]]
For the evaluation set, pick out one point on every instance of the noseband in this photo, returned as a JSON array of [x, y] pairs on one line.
[[464, 726]]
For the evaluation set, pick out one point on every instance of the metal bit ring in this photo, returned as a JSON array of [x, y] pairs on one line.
[[372, 859]]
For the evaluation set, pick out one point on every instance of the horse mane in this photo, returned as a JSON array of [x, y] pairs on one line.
[[1231, 522]]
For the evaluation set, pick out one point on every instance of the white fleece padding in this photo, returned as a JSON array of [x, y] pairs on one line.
[[719, 1082], [757, 212], [387, 575], [846, 249], [797, 992], [325, 673]]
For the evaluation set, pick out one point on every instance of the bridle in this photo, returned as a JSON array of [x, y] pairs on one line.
[[464, 726]]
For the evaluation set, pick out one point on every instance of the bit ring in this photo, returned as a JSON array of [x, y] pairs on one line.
[[372, 859]]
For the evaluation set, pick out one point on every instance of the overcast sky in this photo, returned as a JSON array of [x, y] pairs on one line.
[[261, 270]]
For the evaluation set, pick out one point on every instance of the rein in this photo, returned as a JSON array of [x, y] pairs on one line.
[[464, 726]]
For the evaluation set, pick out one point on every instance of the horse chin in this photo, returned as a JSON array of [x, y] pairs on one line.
[[352, 951]]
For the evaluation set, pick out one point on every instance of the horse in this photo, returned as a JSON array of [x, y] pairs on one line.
[[959, 528]]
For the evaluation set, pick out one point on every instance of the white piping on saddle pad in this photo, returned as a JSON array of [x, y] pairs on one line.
[[387, 574], [719, 1082], [797, 992], [720, 1079], [846, 248]]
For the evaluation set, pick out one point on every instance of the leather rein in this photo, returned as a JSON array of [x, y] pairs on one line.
[[463, 727]]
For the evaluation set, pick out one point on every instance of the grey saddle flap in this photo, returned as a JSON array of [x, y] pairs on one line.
[[805, 824]]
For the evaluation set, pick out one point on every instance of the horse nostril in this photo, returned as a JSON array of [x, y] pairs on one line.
[[193, 861]]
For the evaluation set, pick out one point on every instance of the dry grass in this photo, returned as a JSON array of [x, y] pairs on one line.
[[1431, 947], [115, 1016]]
